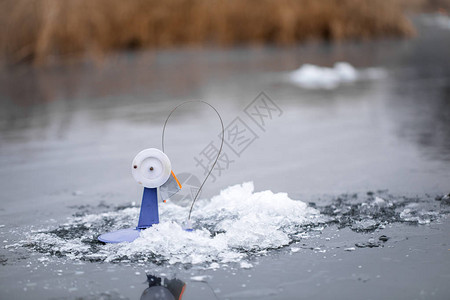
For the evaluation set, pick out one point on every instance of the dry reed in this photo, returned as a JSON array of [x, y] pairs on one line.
[[35, 30]]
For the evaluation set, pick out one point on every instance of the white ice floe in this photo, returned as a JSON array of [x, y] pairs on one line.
[[228, 228], [295, 249], [246, 265], [439, 20], [316, 77], [201, 278]]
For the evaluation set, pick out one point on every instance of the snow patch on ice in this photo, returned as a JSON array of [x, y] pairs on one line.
[[295, 249], [200, 278], [246, 265], [439, 20], [316, 77]]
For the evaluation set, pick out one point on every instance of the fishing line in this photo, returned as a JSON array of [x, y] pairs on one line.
[[218, 154]]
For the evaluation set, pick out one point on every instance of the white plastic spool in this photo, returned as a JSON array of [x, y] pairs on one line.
[[151, 168]]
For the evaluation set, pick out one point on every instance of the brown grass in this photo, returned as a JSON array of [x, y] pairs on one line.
[[36, 30]]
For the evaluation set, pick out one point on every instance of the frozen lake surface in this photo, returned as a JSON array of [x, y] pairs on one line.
[[329, 193]]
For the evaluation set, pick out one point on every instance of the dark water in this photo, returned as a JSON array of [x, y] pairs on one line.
[[68, 134]]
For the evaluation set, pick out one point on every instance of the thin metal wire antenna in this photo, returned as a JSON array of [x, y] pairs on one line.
[[218, 154]]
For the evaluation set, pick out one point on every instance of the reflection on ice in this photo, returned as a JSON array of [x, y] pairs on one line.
[[163, 288]]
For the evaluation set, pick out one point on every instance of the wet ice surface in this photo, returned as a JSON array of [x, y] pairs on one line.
[[320, 233], [365, 165]]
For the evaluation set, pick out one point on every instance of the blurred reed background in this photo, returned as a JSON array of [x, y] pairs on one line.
[[39, 30]]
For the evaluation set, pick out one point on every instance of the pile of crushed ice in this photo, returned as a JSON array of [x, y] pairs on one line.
[[230, 227], [315, 77]]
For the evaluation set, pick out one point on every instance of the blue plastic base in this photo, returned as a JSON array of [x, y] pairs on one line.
[[119, 236], [147, 217]]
